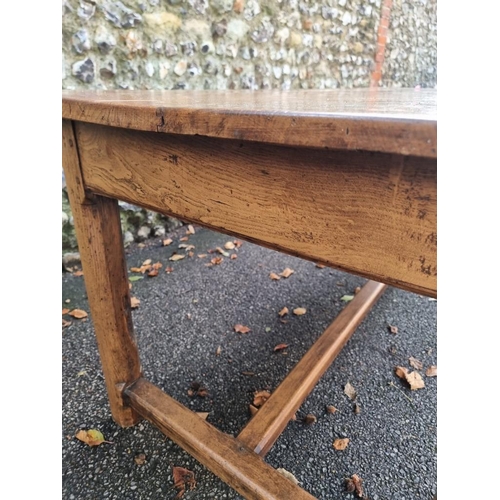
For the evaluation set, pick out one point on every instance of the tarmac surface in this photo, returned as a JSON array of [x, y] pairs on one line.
[[184, 317]]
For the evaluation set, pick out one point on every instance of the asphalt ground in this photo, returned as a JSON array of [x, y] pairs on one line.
[[186, 315]]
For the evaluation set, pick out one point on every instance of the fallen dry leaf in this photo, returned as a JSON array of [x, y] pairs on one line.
[[283, 312], [65, 311], [274, 276], [260, 397], [78, 273], [196, 389], [233, 256], [393, 329], [353, 485], [190, 229], [229, 245], [280, 347], [134, 302], [184, 238], [287, 272], [186, 247], [350, 391], [218, 351], [202, 255], [309, 419], [153, 273], [222, 252], [248, 374], [78, 313], [67, 301], [92, 437], [237, 243], [176, 257], [414, 379], [347, 298], [182, 478], [299, 311], [216, 260], [147, 262], [288, 475], [168, 270], [135, 270], [202, 414], [65, 323], [357, 290], [415, 363], [341, 443], [320, 266], [357, 409], [432, 371], [331, 409], [167, 242], [140, 459], [241, 328]]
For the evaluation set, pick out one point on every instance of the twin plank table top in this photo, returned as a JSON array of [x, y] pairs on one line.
[[345, 178]]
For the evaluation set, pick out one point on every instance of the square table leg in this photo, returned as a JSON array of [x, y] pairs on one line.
[[98, 230]]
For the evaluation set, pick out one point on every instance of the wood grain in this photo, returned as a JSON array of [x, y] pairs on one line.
[[401, 121], [225, 456], [98, 231], [370, 214], [272, 418]]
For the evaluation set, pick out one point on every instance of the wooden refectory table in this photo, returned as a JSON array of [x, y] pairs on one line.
[[345, 178]]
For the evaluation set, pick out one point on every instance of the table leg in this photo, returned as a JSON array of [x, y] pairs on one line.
[[99, 236]]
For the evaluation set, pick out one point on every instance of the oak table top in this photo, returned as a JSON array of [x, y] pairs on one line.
[[400, 121]]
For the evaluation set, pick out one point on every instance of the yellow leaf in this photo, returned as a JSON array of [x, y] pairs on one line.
[[92, 437]]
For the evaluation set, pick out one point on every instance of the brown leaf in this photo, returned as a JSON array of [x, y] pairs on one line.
[[167, 242], [196, 389], [186, 247], [157, 265], [65, 323], [248, 374], [280, 347], [299, 311], [78, 313], [393, 329], [350, 391], [432, 371], [233, 256], [241, 328], [92, 437], [190, 229], [320, 266], [153, 273], [134, 302], [331, 409], [414, 379], [309, 419], [183, 478], [176, 257], [218, 351], [135, 270], [415, 363], [65, 311], [169, 269], [341, 443], [216, 260], [274, 276], [202, 255], [283, 312], [260, 397], [184, 238], [140, 459], [222, 252], [353, 484], [78, 273], [237, 243], [357, 409], [287, 272], [229, 245]]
